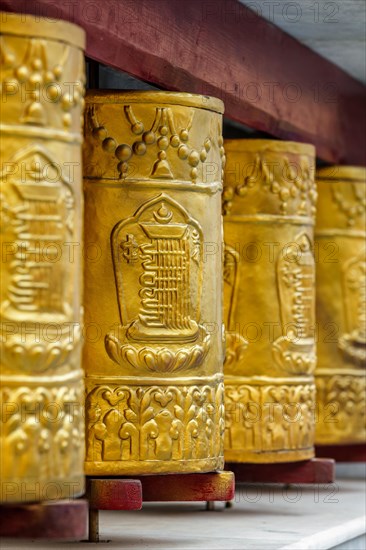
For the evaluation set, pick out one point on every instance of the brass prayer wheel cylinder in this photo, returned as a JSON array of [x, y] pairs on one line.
[[153, 287], [42, 392], [340, 238], [269, 297]]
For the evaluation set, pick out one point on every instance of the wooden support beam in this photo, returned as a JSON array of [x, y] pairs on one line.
[[343, 453], [110, 494], [316, 470], [113, 493], [57, 520], [128, 494], [207, 487], [267, 79]]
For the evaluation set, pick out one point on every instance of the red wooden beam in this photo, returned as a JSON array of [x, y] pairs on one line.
[[316, 470], [343, 453], [114, 494], [267, 79], [110, 494], [207, 487], [125, 494], [60, 520]]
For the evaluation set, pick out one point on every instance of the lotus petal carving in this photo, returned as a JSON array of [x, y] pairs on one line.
[[158, 359]]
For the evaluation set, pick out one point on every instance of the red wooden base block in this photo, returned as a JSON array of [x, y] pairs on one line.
[[114, 493], [110, 494], [188, 487], [316, 470], [62, 519], [128, 494], [343, 453]]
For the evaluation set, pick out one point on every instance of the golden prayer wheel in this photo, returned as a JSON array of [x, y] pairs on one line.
[[42, 428], [341, 305], [153, 287], [269, 296]]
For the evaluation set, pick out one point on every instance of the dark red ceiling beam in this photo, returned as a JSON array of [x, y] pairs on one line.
[[267, 79]]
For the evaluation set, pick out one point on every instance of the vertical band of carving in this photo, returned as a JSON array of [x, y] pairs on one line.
[[153, 168], [269, 276], [42, 88], [341, 305]]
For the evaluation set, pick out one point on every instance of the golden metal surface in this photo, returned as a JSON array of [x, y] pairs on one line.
[[269, 204], [341, 305], [42, 429], [153, 180]]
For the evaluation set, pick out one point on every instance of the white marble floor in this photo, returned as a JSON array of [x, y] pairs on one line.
[[262, 517]]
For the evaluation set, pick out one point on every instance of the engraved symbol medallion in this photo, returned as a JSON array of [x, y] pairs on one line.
[[353, 342], [235, 343], [40, 207], [157, 255], [294, 352]]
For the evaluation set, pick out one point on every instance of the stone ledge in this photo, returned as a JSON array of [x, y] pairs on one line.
[[333, 538]]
